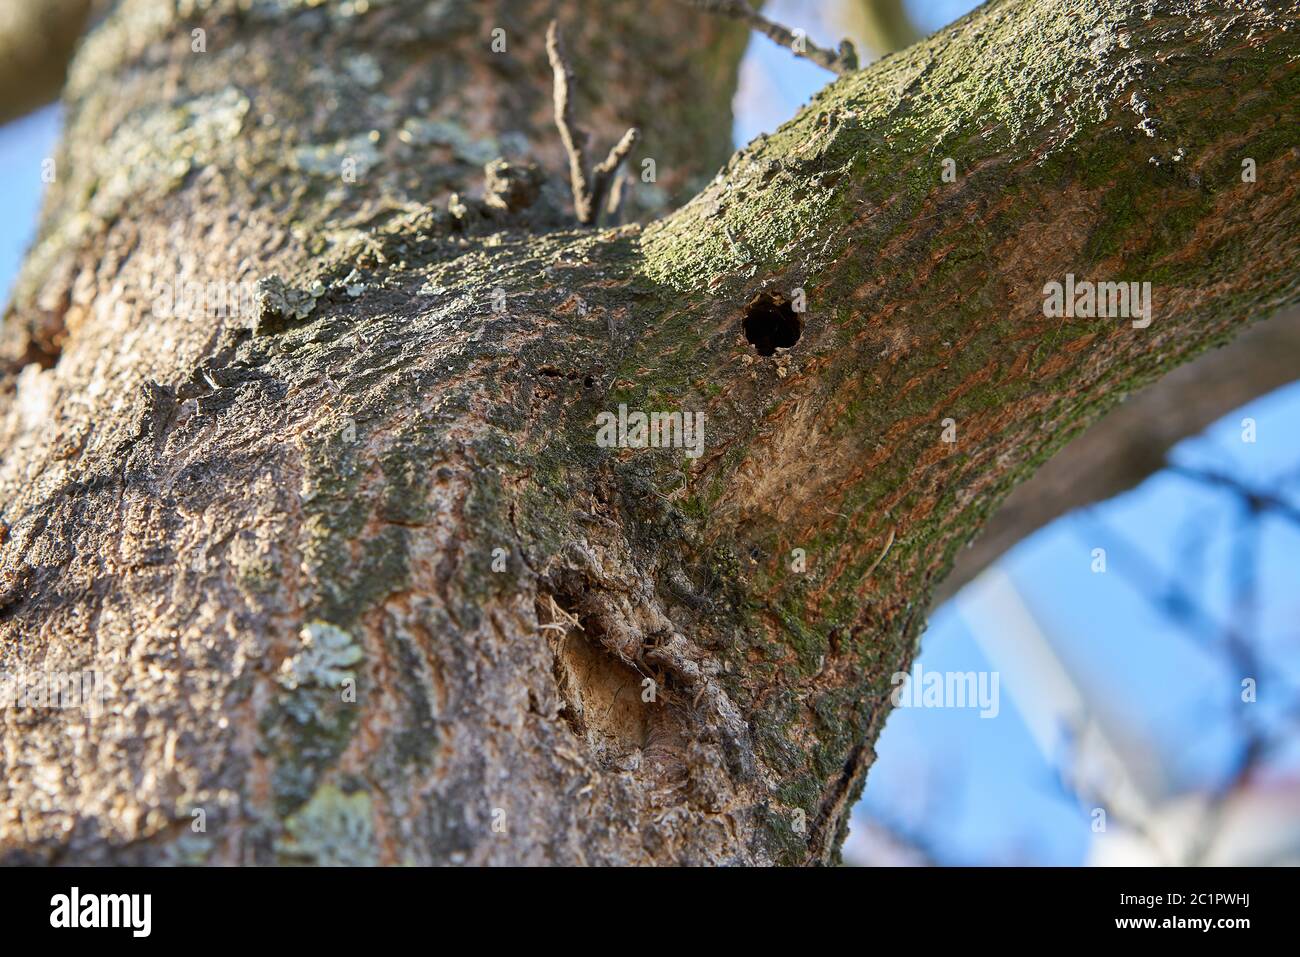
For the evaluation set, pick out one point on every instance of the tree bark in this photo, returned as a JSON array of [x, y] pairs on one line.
[[1132, 442], [359, 580]]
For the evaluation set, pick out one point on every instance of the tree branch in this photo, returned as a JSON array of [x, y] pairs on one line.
[[574, 140], [886, 25], [607, 169], [588, 194], [36, 43], [928, 377], [844, 60], [1132, 441]]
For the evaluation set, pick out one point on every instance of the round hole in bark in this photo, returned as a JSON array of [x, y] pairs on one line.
[[771, 323]]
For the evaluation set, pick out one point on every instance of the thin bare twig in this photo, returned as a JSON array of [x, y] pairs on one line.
[[844, 60], [588, 194], [606, 170], [574, 140], [614, 205]]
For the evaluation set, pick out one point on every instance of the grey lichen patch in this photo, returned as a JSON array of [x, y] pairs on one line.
[[465, 146], [347, 158], [325, 659], [365, 69], [335, 516], [277, 9], [150, 154], [315, 711], [332, 829], [279, 305], [190, 850], [146, 158]]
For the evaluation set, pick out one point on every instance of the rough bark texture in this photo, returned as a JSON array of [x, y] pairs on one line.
[[387, 473], [1131, 443]]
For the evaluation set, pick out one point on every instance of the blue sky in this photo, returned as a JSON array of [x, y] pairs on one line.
[[23, 144]]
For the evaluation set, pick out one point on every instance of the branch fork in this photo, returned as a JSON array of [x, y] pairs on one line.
[[597, 189]]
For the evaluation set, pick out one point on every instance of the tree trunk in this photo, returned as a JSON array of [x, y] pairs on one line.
[[359, 580]]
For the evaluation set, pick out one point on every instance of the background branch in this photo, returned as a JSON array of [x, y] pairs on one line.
[[844, 60], [37, 38]]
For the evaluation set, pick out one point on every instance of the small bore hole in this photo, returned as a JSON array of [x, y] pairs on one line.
[[771, 323]]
